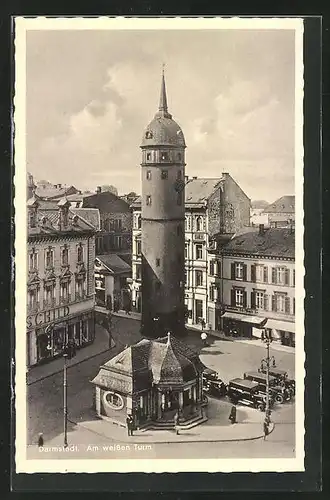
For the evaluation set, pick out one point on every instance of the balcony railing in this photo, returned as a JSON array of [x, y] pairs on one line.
[[49, 303], [80, 296]]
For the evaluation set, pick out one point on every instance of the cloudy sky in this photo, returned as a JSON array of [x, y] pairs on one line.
[[90, 94]]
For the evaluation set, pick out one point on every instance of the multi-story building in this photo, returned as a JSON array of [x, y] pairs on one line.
[[212, 206], [281, 213], [60, 280], [251, 284], [111, 287], [116, 220]]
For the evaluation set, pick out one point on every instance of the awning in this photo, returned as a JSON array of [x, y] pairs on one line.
[[253, 320], [280, 325], [257, 332]]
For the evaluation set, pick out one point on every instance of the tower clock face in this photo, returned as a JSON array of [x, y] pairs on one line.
[[179, 185]]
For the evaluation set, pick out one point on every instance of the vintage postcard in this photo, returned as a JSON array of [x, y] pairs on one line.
[[159, 245]]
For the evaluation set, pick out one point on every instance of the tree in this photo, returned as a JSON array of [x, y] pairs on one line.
[[110, 188]]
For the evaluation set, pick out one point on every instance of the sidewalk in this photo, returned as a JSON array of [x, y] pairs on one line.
[[100, 345]]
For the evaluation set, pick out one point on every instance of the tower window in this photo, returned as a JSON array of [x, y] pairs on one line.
[[164, 156], [179, 199], [148, 135], [148, 175], [179, 175], [164, 174], [157, 262], [148, 199], [148, 156]]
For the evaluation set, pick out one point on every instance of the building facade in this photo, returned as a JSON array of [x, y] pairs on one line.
[[60, 281], [281, 213], [116, 220], [111, 287], [252, 284], [162, 224], [212, 207]]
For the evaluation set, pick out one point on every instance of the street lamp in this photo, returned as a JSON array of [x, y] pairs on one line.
[[69, 351], [264, 366]]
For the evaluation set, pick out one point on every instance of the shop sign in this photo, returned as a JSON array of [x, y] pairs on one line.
[[45, 317]]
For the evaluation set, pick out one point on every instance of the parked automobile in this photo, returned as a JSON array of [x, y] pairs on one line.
[[282, 378], [278, 392], [247, 392], [212, 384]]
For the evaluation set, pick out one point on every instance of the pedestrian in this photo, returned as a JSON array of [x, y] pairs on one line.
[[204, 338], [232, 415], [176, 423], [203, 324], [40, 440], [129, 423], [266, 429]]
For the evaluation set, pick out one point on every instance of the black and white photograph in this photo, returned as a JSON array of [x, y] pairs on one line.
[[159, 245]]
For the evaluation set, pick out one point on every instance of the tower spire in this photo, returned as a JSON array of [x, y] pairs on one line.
[[162, 110]]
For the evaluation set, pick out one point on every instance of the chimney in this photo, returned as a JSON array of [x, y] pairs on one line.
[[194, 178], [98, 190], [261, 229]]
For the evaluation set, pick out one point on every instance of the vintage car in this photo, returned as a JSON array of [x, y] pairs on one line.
[[277, 392], [281, 378], [247, 392], [212, 384]]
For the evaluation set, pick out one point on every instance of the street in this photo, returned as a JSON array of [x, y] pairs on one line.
[[230, 358]]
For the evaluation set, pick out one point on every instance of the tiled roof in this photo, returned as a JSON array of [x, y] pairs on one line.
[[273, 243], [91, 215], [286, 204], [106, 202], [51, 191], [197, 191], [155, 361], [114, 263]]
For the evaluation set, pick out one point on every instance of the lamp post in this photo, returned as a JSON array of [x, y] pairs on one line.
[[69, 351], [264, 366]]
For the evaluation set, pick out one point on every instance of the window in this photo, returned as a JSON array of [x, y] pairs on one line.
[[179, 159], [238, 268], [149, 135], [239, 297], [148, 200], [157, 262], [65, 256], [211, 292], [118, 242], [164, 156], [186, 223], [49, 293], [293, 277], [199, 224], [281, 303], [199, 251], [33, 219], [49, 258], [179, 174], [281, 275], [33, 261], [164, 174], [65, 291], [148, 156], [199, 278], [185, 276], [186, 251], [259, 300], [138, 247], [260, 273], [33, 298], [179, 199], [138, 222], [80, 288], [148, 175], [138, 271], [113, 400], [80, 254]]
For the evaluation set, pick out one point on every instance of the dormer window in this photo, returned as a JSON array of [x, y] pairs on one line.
[[148, 134], [148, 175], [164, 156]]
